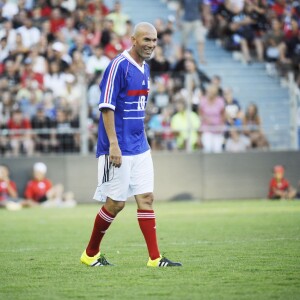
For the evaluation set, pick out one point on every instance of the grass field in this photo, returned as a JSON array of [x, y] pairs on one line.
[[230, 250]]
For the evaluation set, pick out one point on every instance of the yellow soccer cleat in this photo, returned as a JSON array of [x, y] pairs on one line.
[[162, 262], [98, 260]]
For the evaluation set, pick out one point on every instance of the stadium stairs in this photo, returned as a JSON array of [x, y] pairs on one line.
[[250, 83]]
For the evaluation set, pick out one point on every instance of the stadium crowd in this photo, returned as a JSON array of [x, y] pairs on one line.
[[47, 47]]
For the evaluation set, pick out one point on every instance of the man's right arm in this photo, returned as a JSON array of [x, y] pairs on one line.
[[115, 155]]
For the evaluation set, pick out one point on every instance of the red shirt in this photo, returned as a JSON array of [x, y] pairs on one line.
[[56, 25], [4, 194], [24, 124], [37, 189], [281, 185]]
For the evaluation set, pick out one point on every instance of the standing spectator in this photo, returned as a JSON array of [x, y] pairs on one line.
[[252, 124], [21, 139], [192, 23], [279, 187], [185, 126], [212, 112], [119, 19]]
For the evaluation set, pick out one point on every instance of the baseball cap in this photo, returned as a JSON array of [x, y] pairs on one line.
[[278, 169], [40, 167]]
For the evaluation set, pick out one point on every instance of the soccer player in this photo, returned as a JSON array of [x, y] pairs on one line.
[[124, 161]]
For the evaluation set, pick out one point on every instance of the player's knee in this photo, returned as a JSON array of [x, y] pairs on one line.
[[145, 201], [114, 207]]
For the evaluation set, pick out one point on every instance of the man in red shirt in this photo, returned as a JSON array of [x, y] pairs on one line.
[[279, 187], [20, 137]]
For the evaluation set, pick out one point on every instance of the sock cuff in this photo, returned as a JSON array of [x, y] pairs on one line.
[[105, 215], [145, 214]]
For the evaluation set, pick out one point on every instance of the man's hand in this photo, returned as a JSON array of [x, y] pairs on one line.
[[115, 155]]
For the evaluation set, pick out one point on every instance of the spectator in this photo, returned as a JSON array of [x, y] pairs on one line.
[[40, 190], [192, 23], [118, 18], [237, 141], [28, 74], [169, 47], [185, 126], [252, 124], [212, 113], [64, 134], [273, 43], [233, 112], [20, 139], [68, 33], [8, 190], [160, 132], [30, 35], [55, 79], [279, 187], [97, 62], [44, 139], [158, 63]]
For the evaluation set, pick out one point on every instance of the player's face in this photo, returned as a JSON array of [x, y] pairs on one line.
[[145, 44]]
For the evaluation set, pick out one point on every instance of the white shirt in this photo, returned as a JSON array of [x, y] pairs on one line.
[[97, 64], [30, 36]]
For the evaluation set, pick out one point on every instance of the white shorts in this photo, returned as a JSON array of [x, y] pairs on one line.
[[134, 177]]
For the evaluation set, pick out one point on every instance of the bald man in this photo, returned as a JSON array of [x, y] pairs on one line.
[[125, 165]]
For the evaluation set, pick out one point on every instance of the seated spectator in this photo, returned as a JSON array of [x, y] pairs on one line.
[[40, 191], [212, 113], [233, 112], [185, 127], [118, 18], [160, 132], [97, 62], [8, 190], [279, 187], [252, 125], [20, 138], [237, 141], [272, 43], [44, 139], [158, 63], [64, 132]]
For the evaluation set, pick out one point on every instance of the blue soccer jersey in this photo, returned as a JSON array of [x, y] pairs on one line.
[[124, 89]]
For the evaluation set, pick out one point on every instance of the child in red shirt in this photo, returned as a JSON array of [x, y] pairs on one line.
[[40, 190], [279, 187], [8, 190]]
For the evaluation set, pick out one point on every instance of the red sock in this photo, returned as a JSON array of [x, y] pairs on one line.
[[102, 222], [146, 219]]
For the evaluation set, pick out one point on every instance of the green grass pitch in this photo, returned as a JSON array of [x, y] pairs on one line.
[[230, 250]]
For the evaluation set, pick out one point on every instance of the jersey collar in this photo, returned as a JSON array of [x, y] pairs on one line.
[[129, 57]]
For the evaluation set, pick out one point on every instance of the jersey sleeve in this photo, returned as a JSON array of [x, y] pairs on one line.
[[111, 84]]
